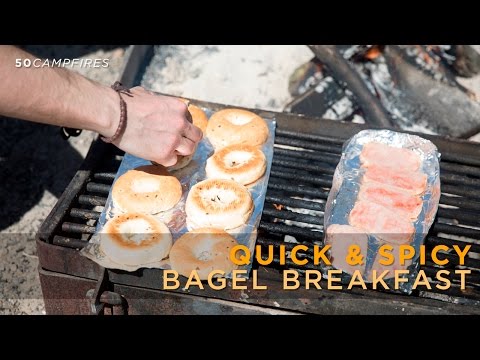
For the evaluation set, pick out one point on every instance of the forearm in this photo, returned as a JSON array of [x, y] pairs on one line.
[[157, 128], [55, 96]]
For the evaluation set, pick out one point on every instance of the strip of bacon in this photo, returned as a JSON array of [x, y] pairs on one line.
[[414, 183], [381, 222], [378, 154], [408, 206], [341, 237]]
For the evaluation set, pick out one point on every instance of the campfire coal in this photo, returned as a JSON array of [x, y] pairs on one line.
[[415, 85]]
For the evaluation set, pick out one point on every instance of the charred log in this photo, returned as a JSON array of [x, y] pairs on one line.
[[422, 100], [373, 110], [467, 60]]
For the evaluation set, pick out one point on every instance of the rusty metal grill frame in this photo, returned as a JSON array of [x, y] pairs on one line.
[[72, 221]]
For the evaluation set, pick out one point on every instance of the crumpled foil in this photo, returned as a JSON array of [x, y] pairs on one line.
[[175, 218], [346, 184]]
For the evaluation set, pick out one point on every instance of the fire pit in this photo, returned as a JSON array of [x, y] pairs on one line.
[[307, 151], [412, 87]]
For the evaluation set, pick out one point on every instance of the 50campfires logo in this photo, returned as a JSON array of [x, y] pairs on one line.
[[45, 63]]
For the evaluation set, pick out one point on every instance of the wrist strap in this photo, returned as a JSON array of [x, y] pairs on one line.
[[120, 89]]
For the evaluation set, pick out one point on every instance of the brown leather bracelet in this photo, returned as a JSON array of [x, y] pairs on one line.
[[120, 89]]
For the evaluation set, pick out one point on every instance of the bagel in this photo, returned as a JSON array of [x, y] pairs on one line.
[[135, 239], [236, 126], [242, 163], [203, 250], [147, 189], [218, 203], [182, 161], [200, 120]]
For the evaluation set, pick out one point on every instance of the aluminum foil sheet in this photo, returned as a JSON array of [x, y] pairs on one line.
[[175, 218], [344, 195]]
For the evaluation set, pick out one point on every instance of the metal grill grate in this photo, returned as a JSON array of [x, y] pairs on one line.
[[302, 171]]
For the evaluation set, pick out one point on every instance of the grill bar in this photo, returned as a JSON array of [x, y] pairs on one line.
[[459, 180], [92, 200], [454, 260], [461, 191], [297, 160], [330, 148], [98, 188], [456, 158], [84, 214], [304, 155], [464, 217], [292, 230], [299, 177], [320, 193], [278, 199], [296, 165], [307, 137], [460, 202], [472, 278], [462, 169], [455, 230], [435, 240], [69, 242], [78, 228], [104, 176], [291, 265], [289, 215], [276, 243]]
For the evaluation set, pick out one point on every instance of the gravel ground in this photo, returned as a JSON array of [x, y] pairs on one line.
[[251, 76]]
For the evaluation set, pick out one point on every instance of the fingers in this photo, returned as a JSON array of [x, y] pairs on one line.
[[193, 133], [170, 161], [166, 161], [186, 147]]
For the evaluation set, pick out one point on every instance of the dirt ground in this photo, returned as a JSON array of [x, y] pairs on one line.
[[36, 164]]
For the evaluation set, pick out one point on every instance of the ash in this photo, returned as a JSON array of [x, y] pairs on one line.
[[240, 75]]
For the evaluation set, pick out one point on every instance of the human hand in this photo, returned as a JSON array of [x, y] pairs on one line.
[[158, 127]]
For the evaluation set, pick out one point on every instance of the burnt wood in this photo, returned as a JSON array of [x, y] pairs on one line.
[[375, 113]]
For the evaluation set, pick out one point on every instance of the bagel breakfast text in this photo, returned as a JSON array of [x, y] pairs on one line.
[[395, 257]]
